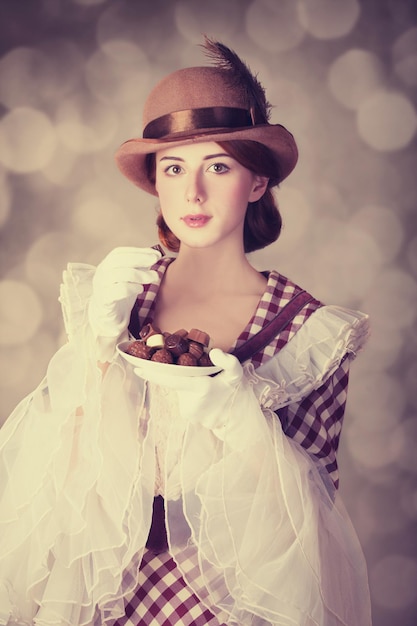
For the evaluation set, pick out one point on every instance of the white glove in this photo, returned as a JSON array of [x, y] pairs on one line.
[[117, 282], [203, 399]]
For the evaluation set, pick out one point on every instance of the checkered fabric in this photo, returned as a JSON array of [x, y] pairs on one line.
[[316, 422], [163, 598]]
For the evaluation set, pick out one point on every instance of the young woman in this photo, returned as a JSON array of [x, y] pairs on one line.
[[134, 495]]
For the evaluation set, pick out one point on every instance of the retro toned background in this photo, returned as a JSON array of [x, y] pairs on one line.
[[342, 75]]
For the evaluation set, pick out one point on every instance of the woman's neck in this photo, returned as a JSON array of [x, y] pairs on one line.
[[215, 270]]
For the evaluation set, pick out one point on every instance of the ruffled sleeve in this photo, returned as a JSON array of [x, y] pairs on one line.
[[311, 357], [306, 382], [76, 483]]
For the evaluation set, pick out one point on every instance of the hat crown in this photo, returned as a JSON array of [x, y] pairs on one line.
[[193, 88]]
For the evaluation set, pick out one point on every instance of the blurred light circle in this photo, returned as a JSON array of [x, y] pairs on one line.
[[61, 171], [194, 18], [118, 72], [274, 26], [382, 505], [354, 76], [85, 125], [387, 121], [393, 581], [376, 451], [328, 19], [382, 350], [34, 76], [19, 75], [296, 215], [392, 299], [404, 52], [47, 258], [291, 105], [378, 401], [100, 218], [384, 226], [20, 312], [342, 275], [27, 140], [14, 364]]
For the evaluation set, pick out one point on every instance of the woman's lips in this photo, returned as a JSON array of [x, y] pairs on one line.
[[196, 221]]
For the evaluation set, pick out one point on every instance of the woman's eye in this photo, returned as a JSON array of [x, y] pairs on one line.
[[219, 168], [173, 170]]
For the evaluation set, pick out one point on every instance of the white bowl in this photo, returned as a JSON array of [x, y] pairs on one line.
[[164, 368]]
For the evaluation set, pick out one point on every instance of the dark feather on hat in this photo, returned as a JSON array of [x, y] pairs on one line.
[[240, 75]]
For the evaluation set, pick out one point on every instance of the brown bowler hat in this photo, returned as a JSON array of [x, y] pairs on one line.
[[200, 104]]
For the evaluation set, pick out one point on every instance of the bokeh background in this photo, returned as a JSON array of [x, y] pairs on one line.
[[342, 75]]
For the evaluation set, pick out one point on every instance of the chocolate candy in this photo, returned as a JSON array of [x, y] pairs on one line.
[[196, 349], [162, 356], [148, 330], [176, 344], [181, 348], [204, 360], [140, 350], [187, 359], [199, 336], [155, 341]]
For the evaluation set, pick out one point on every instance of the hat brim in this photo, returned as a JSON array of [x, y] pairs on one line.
[[131, 156]]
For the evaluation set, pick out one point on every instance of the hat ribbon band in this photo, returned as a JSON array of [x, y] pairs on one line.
[[191, 120]]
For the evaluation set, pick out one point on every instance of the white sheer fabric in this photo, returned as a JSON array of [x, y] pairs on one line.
[[77, 486]]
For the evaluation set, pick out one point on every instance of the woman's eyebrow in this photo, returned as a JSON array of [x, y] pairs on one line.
[[216, 156], [171, 158], [206, 158]]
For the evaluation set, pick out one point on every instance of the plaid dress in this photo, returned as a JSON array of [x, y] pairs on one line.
[[161, 596]]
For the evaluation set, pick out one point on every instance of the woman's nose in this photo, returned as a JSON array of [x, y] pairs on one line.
[[195, 191]]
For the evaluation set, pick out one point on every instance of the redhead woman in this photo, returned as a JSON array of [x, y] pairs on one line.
[[197, 489]]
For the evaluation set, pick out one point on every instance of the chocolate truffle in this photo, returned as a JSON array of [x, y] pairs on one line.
[[187, 359], [140, 350], [162, 356]]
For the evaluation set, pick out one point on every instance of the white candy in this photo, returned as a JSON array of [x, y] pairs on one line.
[[155, 341]]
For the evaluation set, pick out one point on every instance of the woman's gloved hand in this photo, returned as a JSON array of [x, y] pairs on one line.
[[118, 280], [203, 399]]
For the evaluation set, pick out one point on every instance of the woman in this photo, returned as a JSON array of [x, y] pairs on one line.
[[136, 496]]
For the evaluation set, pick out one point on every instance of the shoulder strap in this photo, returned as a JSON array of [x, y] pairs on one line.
[[262, 338]]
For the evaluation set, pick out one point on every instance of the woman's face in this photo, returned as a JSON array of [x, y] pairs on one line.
[[204, 193]]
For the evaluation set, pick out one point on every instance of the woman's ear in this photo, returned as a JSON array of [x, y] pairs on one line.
[[260, 184]]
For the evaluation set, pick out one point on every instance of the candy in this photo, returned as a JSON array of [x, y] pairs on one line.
[[149, 330], [155, 341], [176, 344], [196, 349], [179, 348], [140, 350], [162, 356], [199, 336], [187, 359], [204, 360]]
